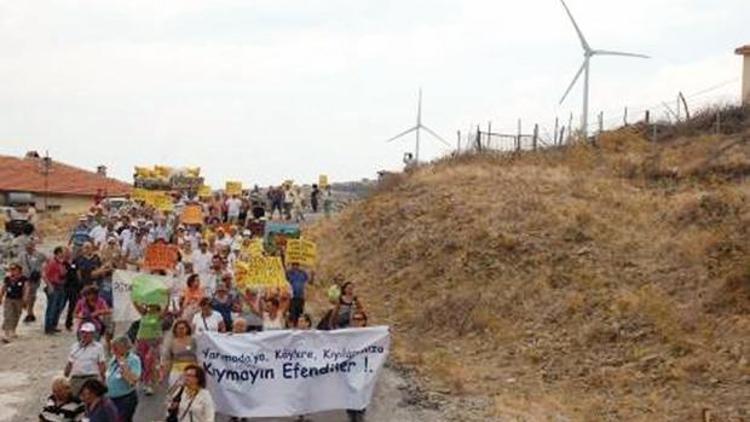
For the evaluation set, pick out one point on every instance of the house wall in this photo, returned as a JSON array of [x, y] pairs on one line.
[[65, 203]]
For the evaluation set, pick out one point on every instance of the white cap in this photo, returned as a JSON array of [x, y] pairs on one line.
[[87, 327]]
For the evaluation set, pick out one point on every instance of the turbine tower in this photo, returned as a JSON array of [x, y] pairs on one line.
[[588, 53], [417, 128]]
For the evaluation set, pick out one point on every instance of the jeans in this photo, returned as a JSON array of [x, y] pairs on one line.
[[105, 290], [55, 305], [126, 406], [71, 297]]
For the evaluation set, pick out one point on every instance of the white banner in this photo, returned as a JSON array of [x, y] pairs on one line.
[[122, 284], [288, 373]]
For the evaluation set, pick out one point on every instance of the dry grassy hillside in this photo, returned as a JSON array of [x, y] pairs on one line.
[[592, 283]]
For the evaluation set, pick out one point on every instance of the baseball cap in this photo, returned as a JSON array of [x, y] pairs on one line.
[[87, 327]]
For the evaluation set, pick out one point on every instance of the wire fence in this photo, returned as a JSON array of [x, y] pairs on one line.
[[563, 131]]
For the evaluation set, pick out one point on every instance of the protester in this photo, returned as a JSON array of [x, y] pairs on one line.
[[327, 201], [55, 273], [123, 373], [359, 320], [314, 198], [62, 405], [148, 344], [79, 236], [86, 359], [233, 205], [193, 402], [207, 319], [249, 310], [13, 295], [222, 303], [88, 264], [32, 262], [298, 280], [342, 314], [72, 289], [239, 326], [273, 309], [99, 408], [180, 351], [191, 296], [298, 205], [92, 308]]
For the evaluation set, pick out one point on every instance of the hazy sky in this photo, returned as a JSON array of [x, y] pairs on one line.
[[265, 90]]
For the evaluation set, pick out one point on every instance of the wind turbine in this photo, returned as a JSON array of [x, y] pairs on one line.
[[588, 53], [417, 128]]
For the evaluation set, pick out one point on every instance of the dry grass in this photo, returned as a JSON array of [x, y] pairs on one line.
[[607, 283]]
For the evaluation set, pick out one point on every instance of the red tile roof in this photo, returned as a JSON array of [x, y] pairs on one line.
[[26, 175]]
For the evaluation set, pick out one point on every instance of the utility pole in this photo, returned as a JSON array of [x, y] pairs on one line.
[[46, 163]]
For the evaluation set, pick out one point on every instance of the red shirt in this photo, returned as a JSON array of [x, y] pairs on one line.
[[55, 272]]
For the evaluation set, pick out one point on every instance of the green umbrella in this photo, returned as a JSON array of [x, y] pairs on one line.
[[149, 290]]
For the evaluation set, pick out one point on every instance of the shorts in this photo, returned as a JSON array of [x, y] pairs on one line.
[[11, 313], [33, 290]]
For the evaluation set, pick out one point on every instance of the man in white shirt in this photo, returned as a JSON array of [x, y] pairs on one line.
[[86, 359], [201, 259], [234, 204], [98, 235]]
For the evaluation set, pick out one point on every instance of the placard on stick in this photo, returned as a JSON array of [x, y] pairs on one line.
[[300, 251], [160, 256], [192, 214]]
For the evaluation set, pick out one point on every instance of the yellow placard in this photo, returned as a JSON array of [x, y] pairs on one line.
[[234, 188], [300, 251], [160, 200], [204, 191], [251, 248], [261, 272], [322, 181], [192, 214], [139, 195]]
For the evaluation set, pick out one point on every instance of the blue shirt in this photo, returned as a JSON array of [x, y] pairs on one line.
[[104, 411], [80, 236], [116, 384], [298, 279]]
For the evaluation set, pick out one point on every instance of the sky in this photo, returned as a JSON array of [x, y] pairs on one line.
[[263, 91]]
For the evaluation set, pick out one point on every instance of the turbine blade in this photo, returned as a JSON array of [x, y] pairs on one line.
[[439, 138], [584, 43], [618, 53], [575, 79], [406, 132]]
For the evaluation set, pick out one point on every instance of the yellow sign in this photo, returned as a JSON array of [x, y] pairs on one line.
[[192, 214], [139, 195], [323, 181], [234, 188], [301, 251], [204, 191], [159, 199], [163, 203], [252, 248], [261, 272]]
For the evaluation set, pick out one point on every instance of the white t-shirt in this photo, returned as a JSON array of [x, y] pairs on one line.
[[270, 324], [209, 323], [98, 235], [201, 262], [233, 206], [86, 359]]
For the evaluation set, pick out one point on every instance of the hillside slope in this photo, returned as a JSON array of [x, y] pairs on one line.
[[608, 283]]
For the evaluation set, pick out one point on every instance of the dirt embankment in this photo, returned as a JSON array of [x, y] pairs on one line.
[[607, 283]]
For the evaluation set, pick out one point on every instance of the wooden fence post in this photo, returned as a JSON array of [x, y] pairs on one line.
[[718, 122], [536, 136], [562, 134], [625, 117], [557, 127], [518, 138]]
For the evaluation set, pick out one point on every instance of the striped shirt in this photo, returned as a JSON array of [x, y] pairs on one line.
[[70, 411]]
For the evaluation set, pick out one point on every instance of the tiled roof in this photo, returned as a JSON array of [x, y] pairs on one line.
[[744, 50], [26, 175]]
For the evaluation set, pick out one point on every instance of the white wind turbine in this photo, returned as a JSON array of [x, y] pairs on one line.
[[417, 128], [588, 53]]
